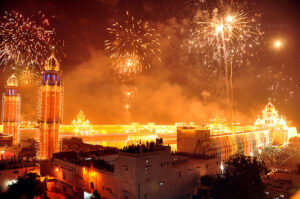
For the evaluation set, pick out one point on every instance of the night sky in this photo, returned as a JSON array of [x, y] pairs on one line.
[[177, 89]]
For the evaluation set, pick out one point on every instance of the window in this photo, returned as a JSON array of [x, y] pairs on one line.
[[281, 195], [126, 170], [64, 175], [161, 183], [147, 161], [126, 195], [266, 192], [198, 169], [146, 171], [92, 185]]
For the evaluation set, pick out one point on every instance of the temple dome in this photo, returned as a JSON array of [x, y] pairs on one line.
[[258, 122], [270, 107], [52, 64], [12, 81]]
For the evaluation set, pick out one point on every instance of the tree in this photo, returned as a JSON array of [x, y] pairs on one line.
[[26, 186], [95, 195], [242, 179]]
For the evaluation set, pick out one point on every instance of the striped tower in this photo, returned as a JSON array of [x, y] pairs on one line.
[[51, 108], [11, 109]]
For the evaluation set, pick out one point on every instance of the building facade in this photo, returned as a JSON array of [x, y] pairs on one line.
[[220, 139], [11, 109], [153, 174], [50, 108]]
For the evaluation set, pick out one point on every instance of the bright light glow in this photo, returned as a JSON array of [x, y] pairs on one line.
[[222, 167], [278, 44], [56, 169], [229, 19], [219, 28], [10, 182]]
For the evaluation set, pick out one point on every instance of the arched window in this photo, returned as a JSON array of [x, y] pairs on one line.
[[13, 91], [44, 79], [9, 92], [48, 77], [54, 78]]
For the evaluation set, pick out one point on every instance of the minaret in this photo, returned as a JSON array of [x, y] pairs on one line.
[[51, 108], [11, 109]]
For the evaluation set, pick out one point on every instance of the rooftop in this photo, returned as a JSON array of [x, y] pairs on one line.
[[145, 148], [87, 159]]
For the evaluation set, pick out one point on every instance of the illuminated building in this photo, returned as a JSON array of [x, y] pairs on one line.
[[11, 109], [51, 108], [277, 126], [131, 174], [220, 139], [82, 125]]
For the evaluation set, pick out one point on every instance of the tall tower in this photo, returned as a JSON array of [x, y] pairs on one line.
[[11, 109], [50, 108]]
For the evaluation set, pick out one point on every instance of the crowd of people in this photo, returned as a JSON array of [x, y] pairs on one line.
[[275, 156]]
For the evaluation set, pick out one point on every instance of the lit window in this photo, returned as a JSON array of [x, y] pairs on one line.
[[147, 171], [161, 183], [267, 193], [147, 161], [281, 195]]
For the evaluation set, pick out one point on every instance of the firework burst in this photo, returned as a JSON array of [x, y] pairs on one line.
[[28, 77], [24, 41], [224, 34], [132, 46]]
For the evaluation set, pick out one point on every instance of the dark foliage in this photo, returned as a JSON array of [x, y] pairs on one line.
[[27, 186], [96, 195], [242, 178]]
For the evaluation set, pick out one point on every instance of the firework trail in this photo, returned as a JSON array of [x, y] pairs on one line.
[[226, 37], [281, 85], [24, 41], [132, 45]]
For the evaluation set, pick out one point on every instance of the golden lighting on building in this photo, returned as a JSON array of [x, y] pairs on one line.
[[82, 125], [11, 109], [50, 116]]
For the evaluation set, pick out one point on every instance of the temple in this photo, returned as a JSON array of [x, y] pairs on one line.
[[218, 138]]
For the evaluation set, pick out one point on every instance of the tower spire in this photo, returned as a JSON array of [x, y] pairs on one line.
[[51, 108]]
